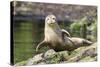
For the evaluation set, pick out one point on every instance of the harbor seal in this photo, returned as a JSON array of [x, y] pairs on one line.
[[59, 39]]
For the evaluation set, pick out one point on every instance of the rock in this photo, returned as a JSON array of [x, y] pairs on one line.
[[88, 59], [81, 54], [30, 62], [42, 63], [23, 63], [49, 54], [52, 57], [64, 55], [91, 50], [36, 59]]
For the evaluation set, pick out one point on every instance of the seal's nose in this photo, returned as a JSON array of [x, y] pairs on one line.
[[53, 20]]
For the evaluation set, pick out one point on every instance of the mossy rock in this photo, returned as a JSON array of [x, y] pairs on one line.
[[23, 63], [81, 54]]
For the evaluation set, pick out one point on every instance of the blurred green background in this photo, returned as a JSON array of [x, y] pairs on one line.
[[28, 24]]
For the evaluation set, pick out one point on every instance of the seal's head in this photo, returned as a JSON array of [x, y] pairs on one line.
[[50, 19]]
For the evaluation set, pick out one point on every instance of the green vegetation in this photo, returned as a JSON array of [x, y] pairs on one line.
[[85, 29], [76, 27]]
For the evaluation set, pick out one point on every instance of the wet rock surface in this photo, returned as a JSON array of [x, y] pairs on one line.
[[81, 54]]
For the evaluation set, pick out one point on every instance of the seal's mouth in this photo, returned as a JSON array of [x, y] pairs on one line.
[[52, 23]]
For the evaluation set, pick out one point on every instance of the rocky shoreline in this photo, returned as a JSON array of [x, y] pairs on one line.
[[81, 54]]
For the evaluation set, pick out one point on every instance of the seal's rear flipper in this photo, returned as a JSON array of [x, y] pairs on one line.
[[86, 42]]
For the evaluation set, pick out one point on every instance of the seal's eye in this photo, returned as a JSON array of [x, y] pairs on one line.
[[53, 18], [47, 19]]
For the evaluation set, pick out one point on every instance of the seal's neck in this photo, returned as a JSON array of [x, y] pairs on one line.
[[52, 31]]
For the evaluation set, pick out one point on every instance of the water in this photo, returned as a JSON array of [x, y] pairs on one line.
[[26, 36]]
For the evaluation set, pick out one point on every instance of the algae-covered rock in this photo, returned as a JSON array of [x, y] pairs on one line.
[[49, 54], [36, 59], [88, 59], [23, 63], [81, 54], [52, 57]]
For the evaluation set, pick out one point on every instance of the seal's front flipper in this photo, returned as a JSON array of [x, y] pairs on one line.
[[65, 32], [40, 45]]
